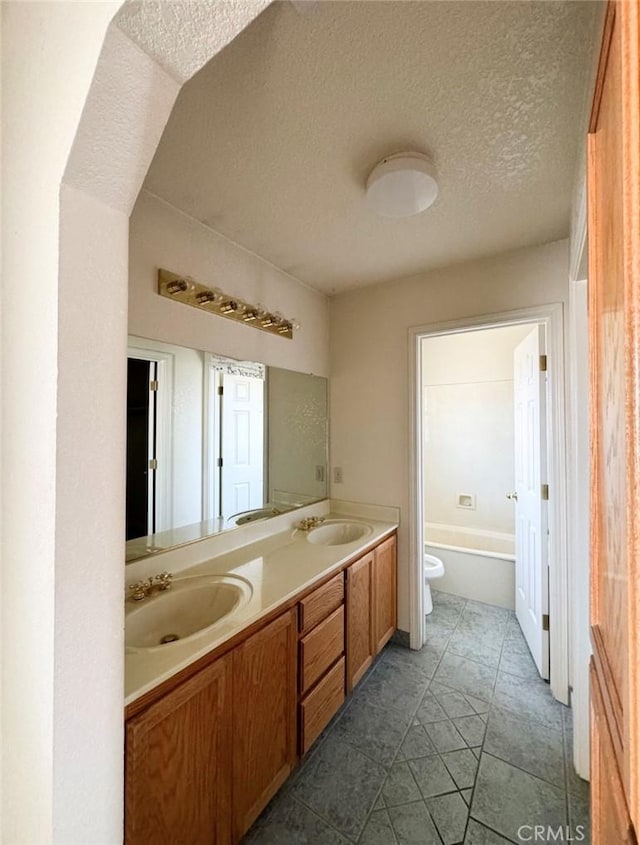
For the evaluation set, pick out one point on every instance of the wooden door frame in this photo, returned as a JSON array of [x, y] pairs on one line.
[[552, 317]]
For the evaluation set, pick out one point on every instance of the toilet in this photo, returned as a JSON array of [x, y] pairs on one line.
[[433, 568]]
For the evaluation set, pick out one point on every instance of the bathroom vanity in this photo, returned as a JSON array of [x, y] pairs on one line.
[[217, 721]]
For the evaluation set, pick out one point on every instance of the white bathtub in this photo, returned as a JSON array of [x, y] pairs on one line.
[[478, 564]]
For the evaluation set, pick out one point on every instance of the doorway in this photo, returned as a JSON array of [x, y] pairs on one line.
[[488, 481], [484, 398], [141, 448]]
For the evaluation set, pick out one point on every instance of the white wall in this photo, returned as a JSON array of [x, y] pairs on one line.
[[45, 83], [83, 110], [369, 397], [468, 427], [163, 236]]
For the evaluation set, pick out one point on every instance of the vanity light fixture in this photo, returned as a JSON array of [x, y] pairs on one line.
[[402, 184], [214, 301]]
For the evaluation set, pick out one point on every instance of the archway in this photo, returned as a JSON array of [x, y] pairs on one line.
[[89, 96]]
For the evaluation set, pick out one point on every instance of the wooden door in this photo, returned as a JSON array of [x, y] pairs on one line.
[[360, 649], [178, 764], [611, 822], [532, 574], [384, 593], [264, 717], [614, 319]]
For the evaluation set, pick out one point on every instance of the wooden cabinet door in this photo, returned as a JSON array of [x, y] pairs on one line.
[[384, 593], [359, 627], [610, 818], [264, 717], [614, 322], [178, 761]]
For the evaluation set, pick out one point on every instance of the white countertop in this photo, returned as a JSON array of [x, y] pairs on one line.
[[278, 568]]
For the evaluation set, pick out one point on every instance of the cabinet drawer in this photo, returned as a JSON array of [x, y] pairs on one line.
[[321, 648], [321, 603], [321, 705]]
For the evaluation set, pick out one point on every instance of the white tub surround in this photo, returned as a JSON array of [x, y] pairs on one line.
[[476, 540], [478, 565], [279, 566]]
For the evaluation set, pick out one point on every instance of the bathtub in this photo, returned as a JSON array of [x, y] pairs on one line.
[[478, 565]]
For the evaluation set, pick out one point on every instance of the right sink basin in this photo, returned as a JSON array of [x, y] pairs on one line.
[[338, 532]]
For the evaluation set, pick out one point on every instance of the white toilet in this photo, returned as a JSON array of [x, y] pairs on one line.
[[433, 568]]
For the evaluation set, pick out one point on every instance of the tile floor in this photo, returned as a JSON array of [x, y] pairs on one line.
[[458, 743]]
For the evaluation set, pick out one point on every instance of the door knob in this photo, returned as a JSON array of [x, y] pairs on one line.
[[513, 496]]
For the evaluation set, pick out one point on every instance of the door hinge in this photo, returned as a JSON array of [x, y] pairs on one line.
[[220, 390], [219, 462], [543, 363], [153, 384], [153, 463], [545, 621], [544, 493]]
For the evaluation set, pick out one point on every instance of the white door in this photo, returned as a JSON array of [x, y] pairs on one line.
[[242, 444], [532, 575]]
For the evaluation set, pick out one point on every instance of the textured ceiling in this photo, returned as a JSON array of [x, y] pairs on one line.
[[271, 142]]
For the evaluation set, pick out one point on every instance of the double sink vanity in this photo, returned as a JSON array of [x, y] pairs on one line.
[[237, 659]]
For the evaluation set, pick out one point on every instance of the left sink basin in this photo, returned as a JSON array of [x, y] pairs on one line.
[[191, 607]]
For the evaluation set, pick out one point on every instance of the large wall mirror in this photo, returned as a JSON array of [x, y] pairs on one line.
[[214, 443]]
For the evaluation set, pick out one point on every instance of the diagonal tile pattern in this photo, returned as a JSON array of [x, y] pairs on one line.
[[460, 743]]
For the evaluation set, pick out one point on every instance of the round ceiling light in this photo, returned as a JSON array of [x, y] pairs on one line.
[[402, 184]]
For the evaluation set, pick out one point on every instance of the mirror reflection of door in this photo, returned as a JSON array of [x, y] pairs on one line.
[[141, 415], [242, 470], [234, 459]]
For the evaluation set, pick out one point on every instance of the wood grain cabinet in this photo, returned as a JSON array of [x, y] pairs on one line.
[[614, 340], [264, 717], [186, 780], [384, 597], [321, 657], [360, 648], [204, 758], [178, 774], [371, 607]]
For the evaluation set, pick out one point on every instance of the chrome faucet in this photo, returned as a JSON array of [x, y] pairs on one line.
[[310, 522], [142, 589]]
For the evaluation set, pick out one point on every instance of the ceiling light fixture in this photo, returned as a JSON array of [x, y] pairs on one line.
[[402, 184]]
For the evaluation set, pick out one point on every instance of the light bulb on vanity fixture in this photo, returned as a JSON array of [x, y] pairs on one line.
[[402, 185], [230, 306], [207, 297], [179, 286]]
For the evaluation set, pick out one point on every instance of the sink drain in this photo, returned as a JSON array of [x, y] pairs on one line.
[[169, 638]]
